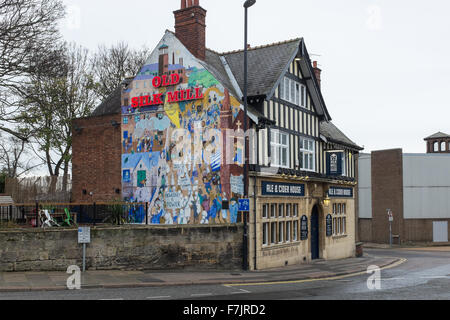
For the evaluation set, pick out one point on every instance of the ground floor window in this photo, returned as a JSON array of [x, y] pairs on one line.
[[281, 225], [339, 219]]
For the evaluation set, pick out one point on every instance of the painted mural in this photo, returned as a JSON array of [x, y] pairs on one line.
[[173, 114]]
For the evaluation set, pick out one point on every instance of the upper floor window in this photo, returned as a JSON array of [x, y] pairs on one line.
[[292, 91], [307, 154], [280, 149], [344, 164]]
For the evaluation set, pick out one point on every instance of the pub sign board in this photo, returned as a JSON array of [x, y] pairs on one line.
[[304, 228], [329, 223], [334, 163], [282, 189], [340, 192]]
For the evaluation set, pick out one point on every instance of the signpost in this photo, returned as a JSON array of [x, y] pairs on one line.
[[244, 207], [84, 236], [391, 219]]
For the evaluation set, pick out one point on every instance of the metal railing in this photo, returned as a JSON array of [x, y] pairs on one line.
[[33, 215]]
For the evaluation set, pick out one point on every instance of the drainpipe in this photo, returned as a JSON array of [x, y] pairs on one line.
[[254, 216]]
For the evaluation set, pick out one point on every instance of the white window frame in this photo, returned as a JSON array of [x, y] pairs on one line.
[[293, 92], [305, 153], [277, 147]]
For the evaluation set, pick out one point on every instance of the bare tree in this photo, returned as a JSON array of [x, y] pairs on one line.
[[51, 101], [27, 28], [112, 65], [12, 153]]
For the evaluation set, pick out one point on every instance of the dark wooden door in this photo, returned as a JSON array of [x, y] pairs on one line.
[[315, 233]]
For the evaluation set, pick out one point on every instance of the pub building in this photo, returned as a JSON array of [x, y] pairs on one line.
[[161, 138]]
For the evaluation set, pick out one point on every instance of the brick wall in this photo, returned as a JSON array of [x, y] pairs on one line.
[[132, 248], [190, 29], [96, 163], [387, 193]]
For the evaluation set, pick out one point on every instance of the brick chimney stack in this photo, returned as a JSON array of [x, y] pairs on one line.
[[318, 73], [190, 27]]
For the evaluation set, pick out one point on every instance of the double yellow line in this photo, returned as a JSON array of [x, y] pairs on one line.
[[393, 265]]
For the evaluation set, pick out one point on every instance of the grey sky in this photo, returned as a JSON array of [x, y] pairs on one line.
[[386, 66]]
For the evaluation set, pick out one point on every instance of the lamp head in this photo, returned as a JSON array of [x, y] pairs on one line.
[[249, 3]]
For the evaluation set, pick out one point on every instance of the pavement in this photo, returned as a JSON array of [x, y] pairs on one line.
[[436, 247], [319, 269]]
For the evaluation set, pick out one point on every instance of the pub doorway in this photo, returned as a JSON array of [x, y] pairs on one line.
[[315, 233]]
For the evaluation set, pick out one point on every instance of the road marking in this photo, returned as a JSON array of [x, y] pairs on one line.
[[401, 261], [201, 294], [242, 291], [159, 297], [435, 277], [118, 299]]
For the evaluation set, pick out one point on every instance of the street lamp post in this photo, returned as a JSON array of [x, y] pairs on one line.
[[247, 5]]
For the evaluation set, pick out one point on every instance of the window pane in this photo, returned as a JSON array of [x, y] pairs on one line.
[[286, 87], [288, 210], [281, 232], [273, 232], [297, 94], [303, 97], [288, 231], [292, 91], [265, 233], [273, 209], [265, 209], [295, 231], [284, 157], [281, 89], [281, 210], [311, 162]]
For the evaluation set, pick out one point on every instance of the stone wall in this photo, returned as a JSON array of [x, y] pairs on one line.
[[131, 247]]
